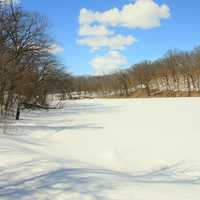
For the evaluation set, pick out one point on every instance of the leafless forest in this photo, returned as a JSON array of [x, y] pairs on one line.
[[29, 72], [176, 74]]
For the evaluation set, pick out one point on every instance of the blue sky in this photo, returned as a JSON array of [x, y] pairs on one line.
[[180, 30]]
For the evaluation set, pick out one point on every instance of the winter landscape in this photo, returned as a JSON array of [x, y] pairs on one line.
[[104, 150], [99, 101]]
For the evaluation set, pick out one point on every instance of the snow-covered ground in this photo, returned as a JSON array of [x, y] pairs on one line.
[[128, 149]]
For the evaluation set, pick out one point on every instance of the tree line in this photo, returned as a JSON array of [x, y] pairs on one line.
[[28, 70], [175, 74]]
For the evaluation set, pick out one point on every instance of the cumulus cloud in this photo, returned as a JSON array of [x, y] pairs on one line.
[[109, 63], [96, 30], [55, 48], [117, 42], [139, 14]]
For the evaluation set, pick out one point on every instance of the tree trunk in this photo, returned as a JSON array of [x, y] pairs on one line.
[[126, 90], [148, 89], [18, 112], [188, 86]]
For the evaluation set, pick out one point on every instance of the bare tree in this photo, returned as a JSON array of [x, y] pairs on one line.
[[29, 72]]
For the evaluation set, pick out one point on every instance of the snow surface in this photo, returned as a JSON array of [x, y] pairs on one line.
[[114, 149]]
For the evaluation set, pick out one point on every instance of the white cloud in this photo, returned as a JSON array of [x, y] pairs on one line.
[[55, 48], [95, 30], [139, 14], [109, 63], [86, 16], [117, 42]]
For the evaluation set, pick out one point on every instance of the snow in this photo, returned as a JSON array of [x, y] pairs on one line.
[[104, 149]]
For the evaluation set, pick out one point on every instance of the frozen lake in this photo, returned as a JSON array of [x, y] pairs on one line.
[[114, 149]]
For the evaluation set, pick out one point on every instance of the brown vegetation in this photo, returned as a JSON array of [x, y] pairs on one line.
[[177, 74], [28, 71]]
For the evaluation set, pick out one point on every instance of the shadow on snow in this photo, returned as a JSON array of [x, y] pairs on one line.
[[84, 181]]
